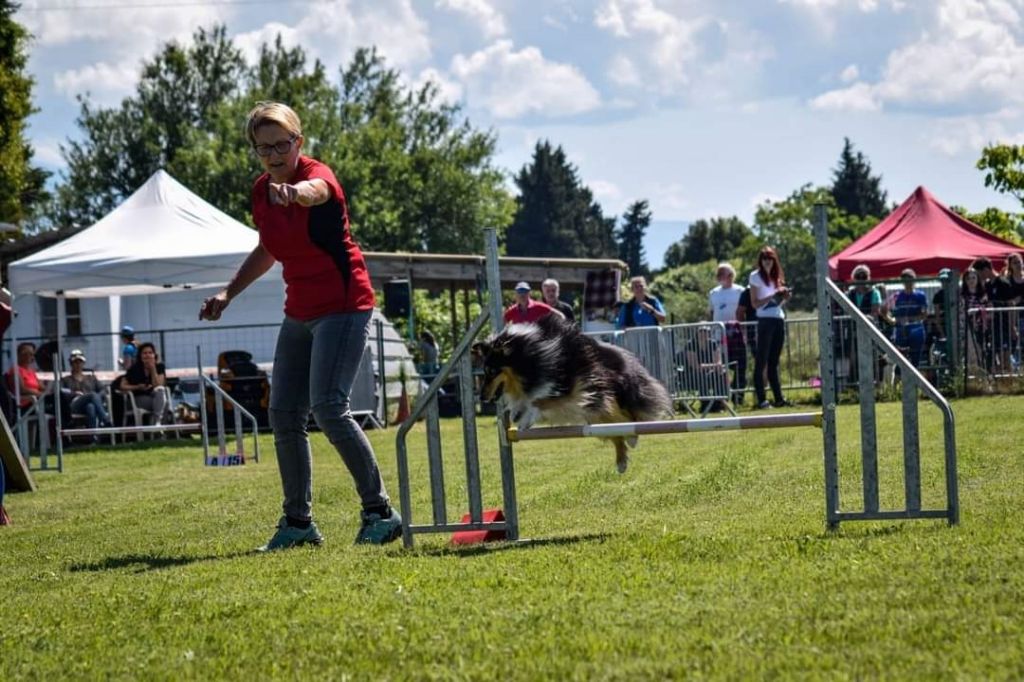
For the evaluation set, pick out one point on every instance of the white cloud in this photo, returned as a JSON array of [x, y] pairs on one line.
[[251, 42], [510, 84], [972, 57], [448, 90], [131, 30], [481, 11], [105, 83], [664, 41], [857, 97], [608, 194], [862, 5], [958, 135], [47, 152], [623, 71], [115, 41], [669, 200], [332, 30], [826, 14], [850, 74]]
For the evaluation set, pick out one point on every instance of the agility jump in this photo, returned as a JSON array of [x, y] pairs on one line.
[[775, 421], [869, 342]]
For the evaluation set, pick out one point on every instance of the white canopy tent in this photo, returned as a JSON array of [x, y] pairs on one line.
[[162, 237]]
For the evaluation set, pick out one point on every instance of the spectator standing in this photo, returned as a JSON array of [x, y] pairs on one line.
[[85, 391], [525, 309], [428, 353], [768, 295], [1012, 279], [301, 213], [643, 310], [867, 299], [746, 315], [974, 300], [910, 307], [147, 380], [129, 349], [723, 303], [1002, 294], [550, 289]]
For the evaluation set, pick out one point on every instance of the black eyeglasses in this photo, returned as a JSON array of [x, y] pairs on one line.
[[280, 147], [861, 278]]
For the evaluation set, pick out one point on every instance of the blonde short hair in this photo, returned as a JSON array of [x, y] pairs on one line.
[[266, 113], [726, 268], [639, 278]]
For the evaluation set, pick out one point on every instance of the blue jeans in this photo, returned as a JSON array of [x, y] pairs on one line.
[[315, 365], [91, 405], [911, 337]]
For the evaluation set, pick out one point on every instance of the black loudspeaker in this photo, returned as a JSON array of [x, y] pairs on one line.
[[396, 298]]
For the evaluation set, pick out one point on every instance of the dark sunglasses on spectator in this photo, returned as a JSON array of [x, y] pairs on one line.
[[860, 278]]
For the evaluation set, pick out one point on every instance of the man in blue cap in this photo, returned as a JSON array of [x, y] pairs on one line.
[[526, 309], [129, 351]]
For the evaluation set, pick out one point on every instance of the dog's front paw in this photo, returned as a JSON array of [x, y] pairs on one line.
[[528, 418]]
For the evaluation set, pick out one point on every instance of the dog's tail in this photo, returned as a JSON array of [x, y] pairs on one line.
[[647, 398], [655, 402]]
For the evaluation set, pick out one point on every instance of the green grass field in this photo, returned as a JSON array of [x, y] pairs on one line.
[[707, 559]]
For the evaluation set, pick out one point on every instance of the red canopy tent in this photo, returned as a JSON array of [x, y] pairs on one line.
[[922, 234]]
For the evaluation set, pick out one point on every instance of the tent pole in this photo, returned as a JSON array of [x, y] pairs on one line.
[[62, 331]]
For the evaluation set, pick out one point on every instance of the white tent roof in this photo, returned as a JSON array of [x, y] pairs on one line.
[[162, 237]]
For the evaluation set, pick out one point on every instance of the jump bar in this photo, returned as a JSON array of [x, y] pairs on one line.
[[107, 430], [772, 421]]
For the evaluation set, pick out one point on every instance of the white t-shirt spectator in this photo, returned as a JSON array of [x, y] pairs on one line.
[[760, 289], [724, 301]]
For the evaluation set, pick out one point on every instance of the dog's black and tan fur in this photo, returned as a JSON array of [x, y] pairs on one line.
[[550, 371]]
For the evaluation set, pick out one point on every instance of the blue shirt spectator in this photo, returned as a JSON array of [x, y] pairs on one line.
[[642, 310], [910, 307], [129, 350]]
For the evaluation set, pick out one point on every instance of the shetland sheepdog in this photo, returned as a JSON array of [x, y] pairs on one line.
[[549, 371]]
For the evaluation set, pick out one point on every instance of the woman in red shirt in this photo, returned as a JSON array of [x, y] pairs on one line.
[[29, 385], [302, 216]]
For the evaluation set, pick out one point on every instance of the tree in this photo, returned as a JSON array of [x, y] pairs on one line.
[[716, 240], [1004, 166], [855, 191], [421, 177], [787, 226], [21, 183], [997, 221], [556, 215], [417, 175], [630, 235], [683, 290], [176, 102]]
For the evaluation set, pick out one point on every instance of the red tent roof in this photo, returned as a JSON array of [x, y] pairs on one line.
[[922, 234]]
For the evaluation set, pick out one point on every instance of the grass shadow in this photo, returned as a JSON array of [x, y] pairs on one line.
[[850, 531], [149, 562], [466, 551]]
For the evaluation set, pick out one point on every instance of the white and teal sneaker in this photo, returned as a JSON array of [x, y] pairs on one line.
[[290, 536], [379, 530]]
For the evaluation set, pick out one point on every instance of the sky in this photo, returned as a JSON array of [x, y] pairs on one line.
[[701, 107]]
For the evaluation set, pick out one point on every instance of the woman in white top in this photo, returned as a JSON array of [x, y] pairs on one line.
[[768, 294], [722, 304]]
